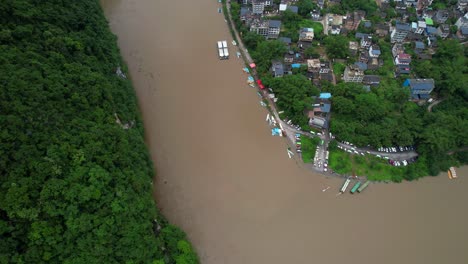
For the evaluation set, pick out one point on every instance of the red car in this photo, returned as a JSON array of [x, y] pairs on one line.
[[260, 84]]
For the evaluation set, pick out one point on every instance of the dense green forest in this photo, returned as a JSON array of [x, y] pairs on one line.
[[75, 184]]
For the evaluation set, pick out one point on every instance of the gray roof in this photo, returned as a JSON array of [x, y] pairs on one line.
[[285, 40], [431, 30], [360, 35], [244, 11], [371, 79], [367, 24], [294, 9], [402, 26], [274, 23], [278, 68]]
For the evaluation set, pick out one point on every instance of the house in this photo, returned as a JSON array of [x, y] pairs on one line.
[[274, 28], [304, 44], [361, 65], [429, 21], [372, 80], [382, 30], [419, 46], [336, 20], [462, 21], [313, 65], [443, 31], [367, 24], [366, 41], [402, 62], [422, 5], [462, 34], [441, 16], [318, 122], [306, 34], [462, 5], [258, 6], [411, 3], [397, 49], [420, 89], [418, 27], [353, 48], [352, 73], [293, 9], [364, 57], [374, 63], [285, 40], [335, 30], [289, 57], [428, 13], [431, 31], [352, 20], [277, 68], [325, 72], [374, 51], [260, 27], [399, 32], [245, 14], [315, 14], [321, 3]]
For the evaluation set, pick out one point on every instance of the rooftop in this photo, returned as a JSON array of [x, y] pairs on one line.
[[402, 26], [274, 23], [429, 21]]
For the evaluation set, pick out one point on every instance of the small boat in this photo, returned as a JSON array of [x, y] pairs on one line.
[[452, 174], [219, 10], [234, 43]]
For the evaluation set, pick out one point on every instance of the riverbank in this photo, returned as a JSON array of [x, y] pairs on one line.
[[230, 185]]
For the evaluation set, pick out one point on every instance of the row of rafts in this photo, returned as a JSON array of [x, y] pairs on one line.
[[358, 186]]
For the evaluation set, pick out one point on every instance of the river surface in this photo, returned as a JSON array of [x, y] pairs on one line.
[[230, 185]]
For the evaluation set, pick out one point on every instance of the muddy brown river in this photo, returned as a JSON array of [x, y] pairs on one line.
[[230, 185]]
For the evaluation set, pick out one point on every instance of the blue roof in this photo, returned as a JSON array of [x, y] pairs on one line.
[[274, 23], [419, 45], [431, 30], [325, 95], [294, 9], [361, 65], [464, 30], [367, 24], [375, 52], [402, 26], [295, 65], [325, 108], [420, 84]]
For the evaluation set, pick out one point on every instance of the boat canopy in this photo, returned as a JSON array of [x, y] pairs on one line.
[[252, 65]]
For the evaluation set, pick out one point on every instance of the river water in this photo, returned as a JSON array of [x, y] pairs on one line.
[[230, 185]]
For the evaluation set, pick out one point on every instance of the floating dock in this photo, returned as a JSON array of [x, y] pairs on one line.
[[452, 174], [360, 189], [355, 187]]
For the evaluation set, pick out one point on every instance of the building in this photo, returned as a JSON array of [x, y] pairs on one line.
[[462, 33], [372, 80], [285, 40], [443, 31], [306, 34], [462, 5], [402, 62], [352, 73], [418, 27], [335, 30], [420, 89], [381, 30], [318, 122], [441, 16], [361, 65], [325, 72], [419, 46], [366, 42], [462, 21], [293, 9], [353, 48], [352, 20], [277, 68], [397, 49], [260, 27], [313, 65], [422, 5], [399, 32], [274, 28], [374, 51], [245, 13], [258, 6]]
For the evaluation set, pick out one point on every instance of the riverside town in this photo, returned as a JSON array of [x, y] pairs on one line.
[[369, 90]]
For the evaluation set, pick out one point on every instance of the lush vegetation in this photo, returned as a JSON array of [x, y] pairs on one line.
[[76, 184], [308, 148], [374, 168]]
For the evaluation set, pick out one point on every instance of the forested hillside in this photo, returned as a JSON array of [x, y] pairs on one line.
[[75, 184]]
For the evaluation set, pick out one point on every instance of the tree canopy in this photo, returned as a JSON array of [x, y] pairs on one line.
[[76, 177]]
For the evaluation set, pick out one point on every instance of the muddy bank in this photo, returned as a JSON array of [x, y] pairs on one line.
[[231, 186]]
